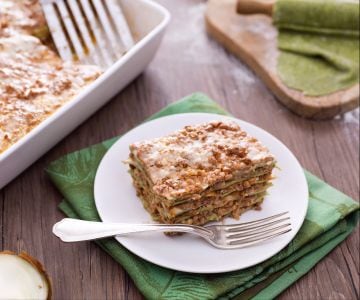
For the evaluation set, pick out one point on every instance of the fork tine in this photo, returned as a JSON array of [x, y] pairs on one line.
[[260, 220], [241, 228], [92, 54], [121, 24], [255, 232], [252, 224], [103, 46], [57, 33], [252, 241], [70, 28], [108, 28]]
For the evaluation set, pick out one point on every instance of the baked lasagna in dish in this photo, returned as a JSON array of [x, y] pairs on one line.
[[201, 173], [34, 81]]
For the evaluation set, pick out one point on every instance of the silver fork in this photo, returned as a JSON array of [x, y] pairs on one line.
[[220, 236], [89, 31]]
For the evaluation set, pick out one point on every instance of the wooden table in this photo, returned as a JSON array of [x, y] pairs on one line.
[[188, 61]]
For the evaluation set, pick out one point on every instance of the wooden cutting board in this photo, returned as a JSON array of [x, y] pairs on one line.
[[253, 39]]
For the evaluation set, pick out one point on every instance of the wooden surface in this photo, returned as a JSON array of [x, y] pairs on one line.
[[188, 61], [253, 38], [250, 7]]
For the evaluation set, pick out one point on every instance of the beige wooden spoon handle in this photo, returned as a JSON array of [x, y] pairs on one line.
[[249, 7]]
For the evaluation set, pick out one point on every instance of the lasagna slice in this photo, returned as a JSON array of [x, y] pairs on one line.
[[201, 173], [34, 82], [23, 16]]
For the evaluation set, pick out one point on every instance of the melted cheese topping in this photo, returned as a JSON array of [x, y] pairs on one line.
[[196, 157], [34, 81], [22, 16]]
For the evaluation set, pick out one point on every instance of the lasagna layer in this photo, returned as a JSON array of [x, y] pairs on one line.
[[201, 173], [233, 191], [34, 81]]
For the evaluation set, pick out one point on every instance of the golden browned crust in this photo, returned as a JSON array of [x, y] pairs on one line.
[[22, 16], [34, 81], [201, 173], [189, 161]]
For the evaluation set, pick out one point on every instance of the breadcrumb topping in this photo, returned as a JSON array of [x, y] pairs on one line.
[[34, 81], [196, 157]]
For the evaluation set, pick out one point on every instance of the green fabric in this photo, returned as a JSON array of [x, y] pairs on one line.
[[330, 219], [319, 44]]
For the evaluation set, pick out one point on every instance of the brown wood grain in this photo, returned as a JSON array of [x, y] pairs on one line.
[[188, 61], [250, 7]]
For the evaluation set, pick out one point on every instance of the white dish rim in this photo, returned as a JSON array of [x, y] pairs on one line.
[[88, 89]]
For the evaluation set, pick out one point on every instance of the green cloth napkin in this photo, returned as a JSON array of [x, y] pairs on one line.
[[331, 217], [319, 44]]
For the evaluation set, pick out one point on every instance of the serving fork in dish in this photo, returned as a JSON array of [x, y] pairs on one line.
[[90, 31], [147, 21], [220, 236]]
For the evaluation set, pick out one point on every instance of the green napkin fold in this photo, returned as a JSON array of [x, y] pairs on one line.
[[319, 44], [331, 217]]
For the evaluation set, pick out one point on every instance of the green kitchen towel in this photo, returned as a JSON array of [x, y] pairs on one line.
[[319, 44], [331, 217]]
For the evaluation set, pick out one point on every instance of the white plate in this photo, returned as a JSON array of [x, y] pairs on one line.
[[116, 201]]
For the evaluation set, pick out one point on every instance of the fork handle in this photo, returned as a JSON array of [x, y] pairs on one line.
[[73, 230], [249, 7]]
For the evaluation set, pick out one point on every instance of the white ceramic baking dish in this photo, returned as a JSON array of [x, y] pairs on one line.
[[147, 21]]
